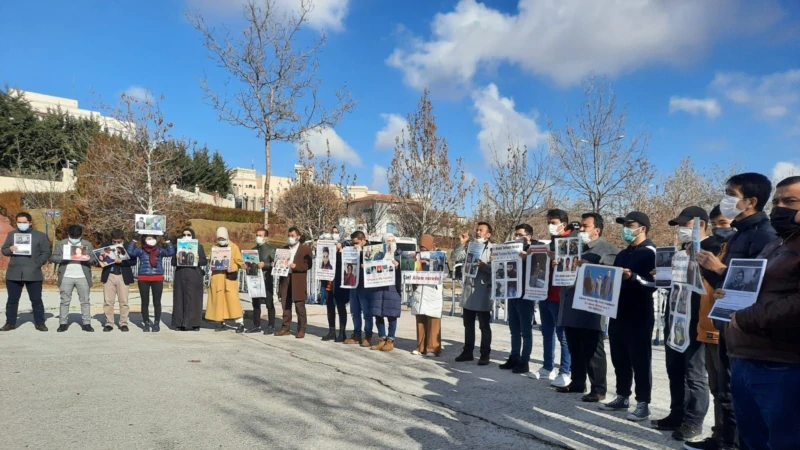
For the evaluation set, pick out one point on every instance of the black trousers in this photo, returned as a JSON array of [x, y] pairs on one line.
[[588, 352], [725, 420], [484, 319], [688, 383], [144, 292], [631, 354], [270, 303], [333, 307], [34, 289]]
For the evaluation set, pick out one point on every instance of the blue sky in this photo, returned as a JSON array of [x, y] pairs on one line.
[[717, 80]]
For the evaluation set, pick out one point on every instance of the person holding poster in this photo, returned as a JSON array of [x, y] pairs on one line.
[[745, 197], [293, 286], [151, 277], [631, 332], [763, 338], [584, 330], [223, 288], [74, 275], [25, 271], [337, 302], [266, 257], [360, 298], [117, 276], [187, 294], [477, 294], [387, 301], [520, 314], [427, 310]]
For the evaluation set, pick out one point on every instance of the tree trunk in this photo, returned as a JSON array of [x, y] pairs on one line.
[[266, 181]]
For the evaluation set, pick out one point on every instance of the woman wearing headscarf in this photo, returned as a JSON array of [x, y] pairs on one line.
[[151, 277], [338, 302], [427, 309], [386, 302], [223, 290], [187, 303]]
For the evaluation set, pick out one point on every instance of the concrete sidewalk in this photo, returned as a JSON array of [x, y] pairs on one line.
[[222, 390]]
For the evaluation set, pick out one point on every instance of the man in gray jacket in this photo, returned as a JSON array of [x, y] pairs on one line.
[[477, 295], [584, 330], [25, 270], [74, 273]]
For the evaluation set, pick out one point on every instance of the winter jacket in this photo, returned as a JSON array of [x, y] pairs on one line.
[[144, 258], [386, 300], [341, 295], [768, 328], [266, 254], [124, 269], [598, 251], [636, 293], [27, 268], [477, 291], [705, 327], [427, 300], [752, 235], [554, 292], [58, 258]]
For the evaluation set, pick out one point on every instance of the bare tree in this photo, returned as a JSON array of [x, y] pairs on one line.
[[276, 83], [372, 212], [430, 186], [594, 158]]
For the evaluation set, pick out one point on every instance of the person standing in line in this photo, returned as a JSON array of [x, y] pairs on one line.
[[266, 258], [223, 289], [74, 275], [584, 330], [520, 314], [151, 277], [25, 271], [360, 301], [631, 332], [720, 225], [387, 302], [293, 286], [478, 296], [427, 310], [337, 302], [117, 277], [187, 303]]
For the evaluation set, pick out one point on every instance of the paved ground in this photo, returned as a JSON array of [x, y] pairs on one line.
[[175, 390]]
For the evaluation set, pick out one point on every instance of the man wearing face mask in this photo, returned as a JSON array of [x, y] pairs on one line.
[[361, 301], [584, 330], [117, 276], [266, 257], [763, 342], [631, 332], [746, 195], [720, 225], [293, 286], [74, 275], [520, 314], [25, 271]]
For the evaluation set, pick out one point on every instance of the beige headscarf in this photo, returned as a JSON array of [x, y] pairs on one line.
[[222, 232]]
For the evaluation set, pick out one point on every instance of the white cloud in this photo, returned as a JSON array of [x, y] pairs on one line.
[[566, 40], [328, 15], [138, 93], [319, 141], [783, 170], [694, 106], [379, 182], [771, 96], [395, 124], [501, 124]]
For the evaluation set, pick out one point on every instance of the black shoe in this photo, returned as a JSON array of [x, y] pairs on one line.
[[156, 327], [124, 328], [221, 327], [669, 423], [687, 433], [270, 330], [706, 444], [240, 328], [509, 364], [254, 330], [62, 328], [593, 397], [484, 360], [8, 327], [41, 327], [87, 328], [108, 328], [330, 336], [195, 328], [570, 389], [521, 368], [464, 357], [146, 327], [341, 337]]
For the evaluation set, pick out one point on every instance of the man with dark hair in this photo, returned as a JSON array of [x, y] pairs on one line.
[[25, 271], [584, 330], [74, 275], [631, 332], [746, 195], [520, 313], [477, 295], [117, 276], [293, 286], [720, 225], [266, 258], [361, 301], [762, 339]]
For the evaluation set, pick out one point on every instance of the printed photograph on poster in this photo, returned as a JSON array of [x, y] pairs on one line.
[[598, 289], [538, 273], [680, 317], [76, 253], [506, 268], [351, 267], [474, 252], [280, 268], [110, 254], [685, 269], [188, 253], [220, 258], [255, 286], [149, 224], [326, 260], [22, 242], [568, 253], [664, 265], [741, 286], [251, 259], [373, 252], [423, 267], [379, 273]]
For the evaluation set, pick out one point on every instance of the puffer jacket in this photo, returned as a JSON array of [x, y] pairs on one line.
[[386, 300], [144, 258]]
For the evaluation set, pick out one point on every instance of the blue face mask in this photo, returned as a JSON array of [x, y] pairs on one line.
[[23, 226], [74, 241], [724, 233], [629, 235]]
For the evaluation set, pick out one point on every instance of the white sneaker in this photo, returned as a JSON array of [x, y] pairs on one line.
[[562, 380], [416, 352], [543, 374]]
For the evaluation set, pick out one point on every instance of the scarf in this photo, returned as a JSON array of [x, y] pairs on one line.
[[152, 251]]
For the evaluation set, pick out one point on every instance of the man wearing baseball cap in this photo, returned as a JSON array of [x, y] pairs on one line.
[[631, 332]]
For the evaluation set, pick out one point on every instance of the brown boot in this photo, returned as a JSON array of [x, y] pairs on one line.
[[300, 335], [379, 345], [367, 342], [354, 339], [389, 346], [283, 332]]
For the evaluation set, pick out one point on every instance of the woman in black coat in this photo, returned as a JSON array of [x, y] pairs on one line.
[[187, 304], [339, 302]]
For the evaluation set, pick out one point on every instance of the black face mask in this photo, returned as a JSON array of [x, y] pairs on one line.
[[724, 233], [782, 220]]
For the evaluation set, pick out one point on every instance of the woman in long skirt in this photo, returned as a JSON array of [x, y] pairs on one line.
[[223, 289], [187, 306]]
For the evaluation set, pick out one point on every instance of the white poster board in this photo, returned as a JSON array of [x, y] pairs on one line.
[[537, 278], [75, 253], [474, 252], [423, 267], [220, 259], [283, 257], [741, 286], [188, 253], [597, 289], [150, 224], [379, 273], [507, 271], [568, 253], [664, 266], [22, 241], [325, 261], [680, 317], [351, 267]]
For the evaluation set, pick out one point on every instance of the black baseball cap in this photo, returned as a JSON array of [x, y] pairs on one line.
[[689, 214], [635, 216]]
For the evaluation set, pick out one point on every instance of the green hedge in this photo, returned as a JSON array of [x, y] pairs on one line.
[[218, 213]]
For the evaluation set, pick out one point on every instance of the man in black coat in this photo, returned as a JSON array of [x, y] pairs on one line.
[[117, 277]]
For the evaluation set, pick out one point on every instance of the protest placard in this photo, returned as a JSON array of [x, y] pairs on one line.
[[537, 278], [423, 267], [188, 253], [597, 289], [75, 253], [220, 258], [680, 317], [22, 242], [506, 271], [664, 265], [150, 224], [741, 286], [351, 267], [474, 252], [379, 273], [325, 261], [110, 254], [568, 253], [251, 259], [283, 257]]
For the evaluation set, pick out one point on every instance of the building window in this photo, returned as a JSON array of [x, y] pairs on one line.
[[392, 228]]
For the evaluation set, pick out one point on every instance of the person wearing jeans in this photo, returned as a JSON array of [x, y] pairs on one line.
[[360, 301], [386, 303], [25, 271], [520, 315], [151, 277], [74, 273]]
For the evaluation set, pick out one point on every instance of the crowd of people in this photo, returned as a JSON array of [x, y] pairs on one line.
[[748, 368]]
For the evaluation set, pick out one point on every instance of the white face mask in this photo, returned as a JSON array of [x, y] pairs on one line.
[[584, 236], [150, 242], [260, 240], [222, 243], [74, 241], [23, 226], [480, 240], [685, 234], [728, 207], [292, 241], [554, 230], [336, 237]]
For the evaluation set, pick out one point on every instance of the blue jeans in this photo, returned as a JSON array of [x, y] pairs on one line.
[[520, 320], [381, 325], [361, 303], [765, 398], [549, 314], [323, 294]]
